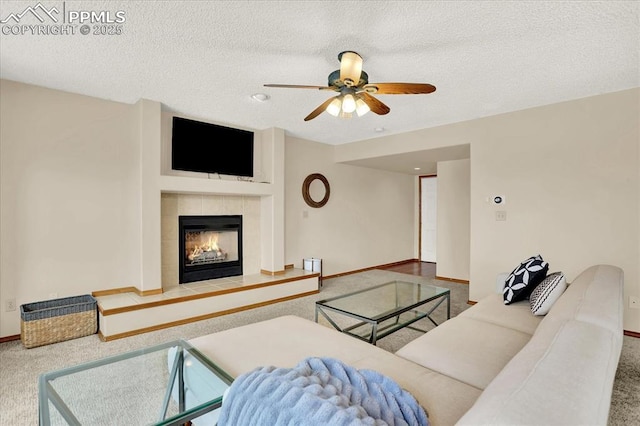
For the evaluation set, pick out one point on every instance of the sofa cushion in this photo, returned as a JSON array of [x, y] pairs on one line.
[[516, 316], [444, 398], [466, 349], [524, 278], [282, 342], [561, 377], [286, 340], [547, 293]]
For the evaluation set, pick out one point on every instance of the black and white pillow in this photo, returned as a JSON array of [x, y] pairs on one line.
[[547, 292], [524, 278]]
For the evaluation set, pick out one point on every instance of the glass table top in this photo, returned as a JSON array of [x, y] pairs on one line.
[[378, 311], [162, 385], [384, 301]]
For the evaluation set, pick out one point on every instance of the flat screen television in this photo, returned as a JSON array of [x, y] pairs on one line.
[[210, 148]]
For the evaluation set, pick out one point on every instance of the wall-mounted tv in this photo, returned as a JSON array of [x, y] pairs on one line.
[[210, 148]]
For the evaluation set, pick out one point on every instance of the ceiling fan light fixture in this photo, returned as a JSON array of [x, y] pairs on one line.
[[350, 68], [348, 103], [361, 107], [335, 107], [355, 91]]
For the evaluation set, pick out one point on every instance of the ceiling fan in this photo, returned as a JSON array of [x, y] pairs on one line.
[[355, 91]]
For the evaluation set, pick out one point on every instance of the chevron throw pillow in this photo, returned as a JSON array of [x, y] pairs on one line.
[[547, 292]]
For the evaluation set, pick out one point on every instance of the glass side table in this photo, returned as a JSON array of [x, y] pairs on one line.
[[169, 384]]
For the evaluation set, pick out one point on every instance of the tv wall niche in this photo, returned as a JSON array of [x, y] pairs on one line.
[[197, 146]]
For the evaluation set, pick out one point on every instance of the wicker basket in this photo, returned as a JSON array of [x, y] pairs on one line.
[[56, 320]]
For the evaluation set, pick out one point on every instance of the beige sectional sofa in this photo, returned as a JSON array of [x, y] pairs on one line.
[[492, 364]]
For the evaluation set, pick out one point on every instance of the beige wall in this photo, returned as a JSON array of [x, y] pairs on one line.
[[368, 220], [569, 173], [70, 193], [149, 113], [454, 211], [435, 138]]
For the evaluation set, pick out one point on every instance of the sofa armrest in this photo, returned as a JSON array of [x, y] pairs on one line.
[[558, 378]]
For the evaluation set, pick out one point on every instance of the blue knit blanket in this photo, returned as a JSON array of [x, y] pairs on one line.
[[318, 391]]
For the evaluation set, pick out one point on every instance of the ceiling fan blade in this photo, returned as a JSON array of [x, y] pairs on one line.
[[298, 86], [316, 112], [399, 88], [350, 68], [374, 104]]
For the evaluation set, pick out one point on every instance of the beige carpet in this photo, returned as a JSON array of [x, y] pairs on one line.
[[20, 368]]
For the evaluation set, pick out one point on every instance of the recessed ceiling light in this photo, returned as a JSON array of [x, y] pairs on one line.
[[416, 168], [379, 129], [260, 97]]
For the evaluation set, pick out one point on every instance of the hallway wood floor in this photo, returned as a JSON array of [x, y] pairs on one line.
[[423, 269]]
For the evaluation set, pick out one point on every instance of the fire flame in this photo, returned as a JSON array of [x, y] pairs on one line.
[[211, 245]]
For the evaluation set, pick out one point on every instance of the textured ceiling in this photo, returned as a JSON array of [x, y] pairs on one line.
[[205, 59]]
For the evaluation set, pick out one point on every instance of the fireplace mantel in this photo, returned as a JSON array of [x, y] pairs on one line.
[[193, 185]]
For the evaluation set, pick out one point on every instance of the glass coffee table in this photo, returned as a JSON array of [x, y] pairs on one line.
[[168, 384], [384, 309]]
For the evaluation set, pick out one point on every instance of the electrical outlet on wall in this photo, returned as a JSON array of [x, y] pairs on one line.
[[634, 302], [11, 305]]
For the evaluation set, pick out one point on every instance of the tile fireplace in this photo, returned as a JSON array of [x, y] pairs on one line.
[[209, 247]]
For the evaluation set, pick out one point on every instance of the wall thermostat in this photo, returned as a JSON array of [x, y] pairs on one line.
[[498, 199]]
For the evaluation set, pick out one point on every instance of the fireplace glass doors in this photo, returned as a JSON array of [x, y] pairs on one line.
[[210, 247]]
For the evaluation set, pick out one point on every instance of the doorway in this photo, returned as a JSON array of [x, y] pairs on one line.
[[428, 217]]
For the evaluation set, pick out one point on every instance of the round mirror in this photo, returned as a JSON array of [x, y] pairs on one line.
[[317, 189]]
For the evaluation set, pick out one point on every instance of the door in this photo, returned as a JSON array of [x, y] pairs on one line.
[[428, 218]]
